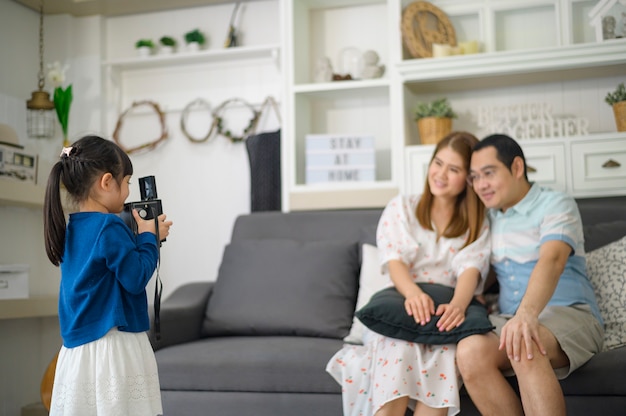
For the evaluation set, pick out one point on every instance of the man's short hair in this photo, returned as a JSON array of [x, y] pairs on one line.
[[507, 149]]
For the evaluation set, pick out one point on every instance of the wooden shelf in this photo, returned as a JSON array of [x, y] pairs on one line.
[[20, 193], [35, 307], [341, 196]]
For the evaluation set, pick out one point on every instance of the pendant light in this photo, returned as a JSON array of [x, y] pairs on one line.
[[39, 115]]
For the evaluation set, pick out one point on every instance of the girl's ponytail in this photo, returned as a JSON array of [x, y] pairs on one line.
[[54, 217]]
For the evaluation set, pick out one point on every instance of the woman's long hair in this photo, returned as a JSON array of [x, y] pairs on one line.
[[77, 170], [469, 211]]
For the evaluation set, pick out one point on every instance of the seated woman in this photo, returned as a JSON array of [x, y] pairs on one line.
[[438, 237]]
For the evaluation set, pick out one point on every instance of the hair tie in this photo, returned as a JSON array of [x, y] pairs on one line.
[[66, 151]]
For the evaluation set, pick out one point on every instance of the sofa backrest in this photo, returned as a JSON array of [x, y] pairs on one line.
[[598, 210], [344, 225], [604, 220]]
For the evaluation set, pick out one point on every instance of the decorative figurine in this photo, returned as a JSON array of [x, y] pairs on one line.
[[323, 70], [371, 68]]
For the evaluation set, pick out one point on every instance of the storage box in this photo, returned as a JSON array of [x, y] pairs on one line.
[[17, 164], [13, 281], [340, 158]]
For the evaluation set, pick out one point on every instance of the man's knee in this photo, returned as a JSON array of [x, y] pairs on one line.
[[473, 354]]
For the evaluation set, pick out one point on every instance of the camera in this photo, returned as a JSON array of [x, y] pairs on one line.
[[148, 208]]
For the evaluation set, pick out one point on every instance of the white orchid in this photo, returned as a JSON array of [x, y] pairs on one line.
[[56, 74], [62, 96]]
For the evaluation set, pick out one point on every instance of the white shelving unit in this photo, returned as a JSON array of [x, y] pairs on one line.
[[22, 194], [316, 29], [35, 307], [555, 58]]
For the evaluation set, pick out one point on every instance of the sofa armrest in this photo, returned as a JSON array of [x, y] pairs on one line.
[[182, 314]]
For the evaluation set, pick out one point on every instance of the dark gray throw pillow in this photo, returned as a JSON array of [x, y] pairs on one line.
[[386, 315], [284, 287]]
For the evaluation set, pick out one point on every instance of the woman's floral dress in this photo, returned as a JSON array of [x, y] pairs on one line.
[[384, 369]]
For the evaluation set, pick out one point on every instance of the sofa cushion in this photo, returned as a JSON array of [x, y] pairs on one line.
[[598, 235], [284, 287], [606, 267], [252, 364], [386, 315], [371, 280]]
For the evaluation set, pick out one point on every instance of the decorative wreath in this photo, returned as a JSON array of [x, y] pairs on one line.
[[183, 117], [146, 146], [423, 24], [250, 128]]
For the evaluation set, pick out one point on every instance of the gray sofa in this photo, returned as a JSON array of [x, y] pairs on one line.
[[256, 341]]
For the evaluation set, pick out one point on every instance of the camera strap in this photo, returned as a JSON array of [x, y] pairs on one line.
[[158, 287]]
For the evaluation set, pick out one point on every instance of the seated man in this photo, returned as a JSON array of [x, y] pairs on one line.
[[549, 323]]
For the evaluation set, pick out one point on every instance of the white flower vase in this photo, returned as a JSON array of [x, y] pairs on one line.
[[193, 47], [166, 50], [144, 51]]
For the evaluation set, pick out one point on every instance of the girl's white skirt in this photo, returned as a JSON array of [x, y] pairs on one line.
[[115, 375]]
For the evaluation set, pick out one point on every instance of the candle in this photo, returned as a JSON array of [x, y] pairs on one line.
[[468, 47], [441, 49]]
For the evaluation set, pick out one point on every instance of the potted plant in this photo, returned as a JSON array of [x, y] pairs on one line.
[[144, 47], [617, 100], [168, 44], [195, 39], [434, 120]]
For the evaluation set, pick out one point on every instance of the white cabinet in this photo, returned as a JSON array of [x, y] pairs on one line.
[[539, 51], [599, 166], [23, 194], [590, 166]]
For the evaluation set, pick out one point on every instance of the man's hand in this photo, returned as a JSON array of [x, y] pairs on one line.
[[522, 329]]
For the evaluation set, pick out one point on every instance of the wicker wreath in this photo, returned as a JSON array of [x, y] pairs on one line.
[[183, 117], [146, 146], [424, 24], [219, 120]]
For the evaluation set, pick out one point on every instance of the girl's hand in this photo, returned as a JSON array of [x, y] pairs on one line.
[[420, 306], [164, 227], [148, 226], [451, 316]]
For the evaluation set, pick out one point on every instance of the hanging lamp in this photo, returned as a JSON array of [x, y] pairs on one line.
[[39, 115]]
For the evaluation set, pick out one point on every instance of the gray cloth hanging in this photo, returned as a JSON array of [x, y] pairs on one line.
[[265, 180]]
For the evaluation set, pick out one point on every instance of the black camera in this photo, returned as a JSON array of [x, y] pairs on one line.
[[148, 208]]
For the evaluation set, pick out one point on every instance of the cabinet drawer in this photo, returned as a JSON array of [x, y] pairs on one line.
[[546, 165], [599, 165]]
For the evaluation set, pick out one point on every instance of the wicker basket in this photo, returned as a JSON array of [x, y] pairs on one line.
[[433, 129], [619, 109]]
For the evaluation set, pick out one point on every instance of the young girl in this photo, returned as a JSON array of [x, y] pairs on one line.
[[106, 365], [438, 237]]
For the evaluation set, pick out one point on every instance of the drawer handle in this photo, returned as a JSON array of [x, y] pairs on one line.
[[530, 169], [611, 164]]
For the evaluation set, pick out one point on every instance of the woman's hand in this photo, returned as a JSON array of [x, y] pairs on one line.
[[451, 316], [420, 306]]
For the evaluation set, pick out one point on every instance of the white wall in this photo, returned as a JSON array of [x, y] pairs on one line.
[[203, 186]]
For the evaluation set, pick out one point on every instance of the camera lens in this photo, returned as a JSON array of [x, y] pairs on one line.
[[143, 213]]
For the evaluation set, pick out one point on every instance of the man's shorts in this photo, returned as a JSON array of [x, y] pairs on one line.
[[577, 331]]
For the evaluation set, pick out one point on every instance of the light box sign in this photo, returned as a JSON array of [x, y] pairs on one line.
[[340, 158]]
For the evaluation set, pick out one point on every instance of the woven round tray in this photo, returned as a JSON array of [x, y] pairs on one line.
[[423, 24]]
